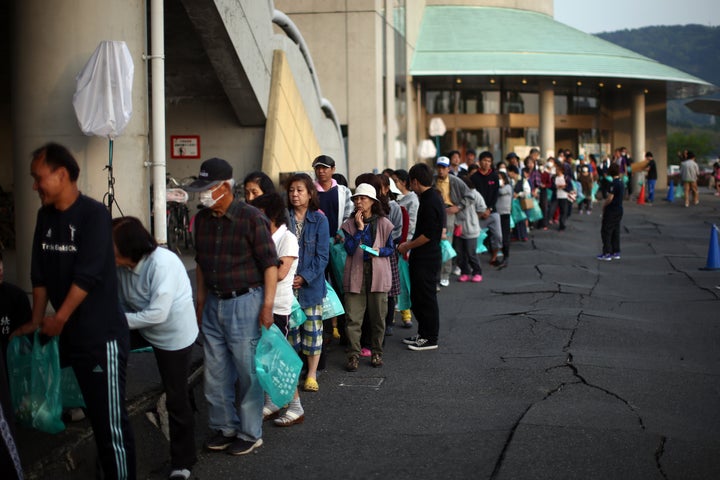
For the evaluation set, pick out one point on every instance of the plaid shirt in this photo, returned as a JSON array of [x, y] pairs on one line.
[[233, 250]]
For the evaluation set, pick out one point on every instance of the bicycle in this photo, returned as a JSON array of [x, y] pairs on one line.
[[177, 215]]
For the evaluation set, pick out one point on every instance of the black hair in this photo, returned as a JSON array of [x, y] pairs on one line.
[[613, 170], [273, 206], [485, 154], [314, 203], [402, 175], [263, 181], [389, 172], [504, 177], [340, 179], [56, 156], [648, 154], [690, 155], [422, 173], [132, 239]]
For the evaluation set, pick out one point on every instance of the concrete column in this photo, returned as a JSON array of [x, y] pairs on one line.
[[48, 55], [391, 126], [547, 119], [638, 131]]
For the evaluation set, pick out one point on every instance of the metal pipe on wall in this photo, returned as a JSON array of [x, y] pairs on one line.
[[157, 63]]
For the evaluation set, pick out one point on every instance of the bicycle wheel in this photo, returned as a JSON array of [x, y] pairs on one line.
[[187, 234], [172, 228]]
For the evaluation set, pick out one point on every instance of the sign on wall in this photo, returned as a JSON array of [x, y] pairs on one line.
[[185, 146]]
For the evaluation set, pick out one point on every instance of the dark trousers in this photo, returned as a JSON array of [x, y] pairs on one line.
[[100, 373], [174, 368], [610, 231], [564, 206], [467, 258], [424, 276], [543, 201], [505, 226]]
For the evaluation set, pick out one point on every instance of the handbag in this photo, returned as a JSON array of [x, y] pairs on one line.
[[277, 366], [527, 203]]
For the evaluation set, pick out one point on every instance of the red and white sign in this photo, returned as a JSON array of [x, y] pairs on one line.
[[185, 146]]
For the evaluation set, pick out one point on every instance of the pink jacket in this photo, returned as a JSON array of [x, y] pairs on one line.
[[381, 273]]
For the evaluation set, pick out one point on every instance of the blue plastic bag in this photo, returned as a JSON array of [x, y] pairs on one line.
[[34, 372], [517, 213], [481, 248], [277, 365], [332, 306], [534, 214], [448, 252]]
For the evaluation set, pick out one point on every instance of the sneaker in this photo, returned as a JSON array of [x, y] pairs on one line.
[[179, 474], [616, 256], [423, 344], [477, 278], [352, 364], [389, 331], [219, 442], [376, 360], [464, 278], [456, 271], [606, 257], [406, 317], [365, 352], [411, 340], [243, 447], [444, 282]]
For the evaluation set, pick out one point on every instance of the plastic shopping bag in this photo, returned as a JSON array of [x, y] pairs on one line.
[[332, 306], [403, 300], [34, 371], [448, 252], [481, 248], [297, 315], [534, 214], [517, 213], [277, 365], [338, 257]]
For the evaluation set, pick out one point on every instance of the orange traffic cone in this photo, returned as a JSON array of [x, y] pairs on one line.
[[641, 196]]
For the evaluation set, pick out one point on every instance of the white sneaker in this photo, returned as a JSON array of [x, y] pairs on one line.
[[444, 282], [456, 271]]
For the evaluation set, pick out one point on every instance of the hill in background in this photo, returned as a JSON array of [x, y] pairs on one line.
[[694, 49]]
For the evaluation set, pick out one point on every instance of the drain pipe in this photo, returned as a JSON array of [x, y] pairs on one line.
[[157, 63]]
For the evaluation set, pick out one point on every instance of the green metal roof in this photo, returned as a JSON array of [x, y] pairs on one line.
[[457, 40]]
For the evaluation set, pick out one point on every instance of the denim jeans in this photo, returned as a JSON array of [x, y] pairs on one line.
[[231, 332], [651, 191]]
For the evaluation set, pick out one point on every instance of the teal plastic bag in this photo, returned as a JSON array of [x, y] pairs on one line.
[[34, 371], [332, 306], [338, 257], [403, 300], [448, 252], [517, 213], [534, 214], [578, 190], [297, 315], [679, 191], [277, 365], [70, 392], [481, 248]]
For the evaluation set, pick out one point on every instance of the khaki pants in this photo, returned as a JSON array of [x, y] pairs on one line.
[[691, 187], [376, 304]]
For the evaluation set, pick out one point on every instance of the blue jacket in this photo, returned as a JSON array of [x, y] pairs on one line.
[[313, 258]]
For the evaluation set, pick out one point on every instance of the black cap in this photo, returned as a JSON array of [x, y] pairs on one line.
[[323, 161], [212, 172], [511, 155]]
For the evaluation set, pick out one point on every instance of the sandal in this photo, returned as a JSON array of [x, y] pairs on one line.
[[269, 413], [289, 418], [311, 385]]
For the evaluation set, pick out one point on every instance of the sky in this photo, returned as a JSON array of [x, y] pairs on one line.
[[593, 16]]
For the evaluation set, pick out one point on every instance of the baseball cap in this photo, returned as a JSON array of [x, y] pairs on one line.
[[323, 161], [511, 155], [443, 162], [212, 172]]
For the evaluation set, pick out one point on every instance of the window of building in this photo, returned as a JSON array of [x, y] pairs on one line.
[[521, 102]]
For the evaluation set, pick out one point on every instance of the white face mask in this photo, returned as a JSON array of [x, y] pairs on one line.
[[206, 198]]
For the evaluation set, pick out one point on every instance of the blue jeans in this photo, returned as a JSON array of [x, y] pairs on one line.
[[232, 332], [651, 191]]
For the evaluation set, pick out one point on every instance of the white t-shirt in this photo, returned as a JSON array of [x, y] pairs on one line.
[[560, 187], [286, 245]]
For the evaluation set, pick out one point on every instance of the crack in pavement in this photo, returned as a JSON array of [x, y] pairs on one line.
[[580, 381], [692, 280], [659, 452]]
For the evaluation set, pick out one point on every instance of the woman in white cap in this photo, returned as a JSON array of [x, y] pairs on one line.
[[367, 278]]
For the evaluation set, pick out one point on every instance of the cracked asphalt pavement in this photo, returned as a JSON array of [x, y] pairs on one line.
[[559, 366]]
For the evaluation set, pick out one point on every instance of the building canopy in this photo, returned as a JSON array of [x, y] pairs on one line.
[[489, 41]]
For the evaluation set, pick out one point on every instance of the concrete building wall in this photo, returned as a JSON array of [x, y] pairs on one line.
[[290, 142]]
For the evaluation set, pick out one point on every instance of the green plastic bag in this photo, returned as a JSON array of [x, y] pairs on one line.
[[338, 256], [534, 214], [332, 306], [34, 371], [448, 252], [481, 248], [70, 390], [297, 315], [277, 365], [403, 300], [517, 213]]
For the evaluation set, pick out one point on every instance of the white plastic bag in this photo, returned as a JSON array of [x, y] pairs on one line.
[[103, 97]]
